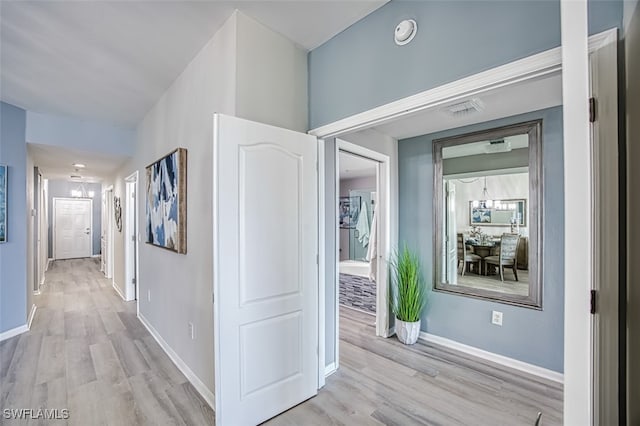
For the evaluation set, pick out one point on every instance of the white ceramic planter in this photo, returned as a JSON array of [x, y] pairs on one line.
[[407, 332]]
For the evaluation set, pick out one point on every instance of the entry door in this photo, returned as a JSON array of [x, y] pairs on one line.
[[265, 270], [72, 221]]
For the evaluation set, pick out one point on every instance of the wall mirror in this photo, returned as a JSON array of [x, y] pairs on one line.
[[488, 214]]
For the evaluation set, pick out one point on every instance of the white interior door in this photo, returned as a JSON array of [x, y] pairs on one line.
[[265, 270], [604, 139], [72, 221]]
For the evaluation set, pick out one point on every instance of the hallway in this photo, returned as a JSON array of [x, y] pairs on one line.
[[88, 353]]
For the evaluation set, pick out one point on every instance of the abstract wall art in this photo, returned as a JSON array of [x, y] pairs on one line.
[[166, 210]]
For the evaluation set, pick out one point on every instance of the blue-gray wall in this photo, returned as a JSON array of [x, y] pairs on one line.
[[84, 135], [528, 335], [362, 68], [62, 188], [13, 253]]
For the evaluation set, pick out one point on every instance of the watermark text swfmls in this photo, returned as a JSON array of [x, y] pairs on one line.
[[36, 414]]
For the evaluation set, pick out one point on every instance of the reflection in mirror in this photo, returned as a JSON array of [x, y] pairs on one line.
[[488, 214]]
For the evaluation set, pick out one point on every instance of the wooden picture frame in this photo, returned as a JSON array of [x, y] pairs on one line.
[[166, 202]]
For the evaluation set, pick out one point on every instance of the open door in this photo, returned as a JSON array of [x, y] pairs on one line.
[[265, 226], [606, 229]]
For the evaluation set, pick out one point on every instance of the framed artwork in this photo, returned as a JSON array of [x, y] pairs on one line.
[[166, 204], [3, 203], [501, 213], [349, 208]]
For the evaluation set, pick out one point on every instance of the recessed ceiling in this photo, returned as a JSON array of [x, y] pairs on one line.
[[57, 163], [112, 60], [353, 166], [514, 99]]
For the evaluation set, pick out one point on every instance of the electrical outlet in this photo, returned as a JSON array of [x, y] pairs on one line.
[[192, 331], [496, 317], [149, 295]]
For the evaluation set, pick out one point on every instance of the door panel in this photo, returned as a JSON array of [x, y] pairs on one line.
[[72, 219], [265, 270]]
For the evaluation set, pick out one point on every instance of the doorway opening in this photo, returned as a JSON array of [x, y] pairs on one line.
[[357, 232]]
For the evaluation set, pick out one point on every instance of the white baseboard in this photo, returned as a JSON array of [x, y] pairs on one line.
[[13, 332], [117, 289], [49, 260], [330, 369], [32, 315], [182, 366], [95, 255], [498, 359]]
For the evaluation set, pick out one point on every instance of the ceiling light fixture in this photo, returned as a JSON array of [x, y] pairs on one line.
[[485, 202], [79, 165], [405, 32]]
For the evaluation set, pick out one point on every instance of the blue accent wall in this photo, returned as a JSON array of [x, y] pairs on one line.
[[528, 335], [62, 188], [84, 135], [362, 68], [13, 253]]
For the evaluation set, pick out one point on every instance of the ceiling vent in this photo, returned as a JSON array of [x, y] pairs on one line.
[[465, 108], [75, 177], [497, 146]]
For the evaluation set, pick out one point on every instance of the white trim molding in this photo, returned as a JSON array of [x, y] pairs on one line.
[[117, 289], [182, 366], [13, 332], [490, 356], [330, 369], [32, 315]]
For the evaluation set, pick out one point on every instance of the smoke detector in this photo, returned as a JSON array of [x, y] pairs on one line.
[[467, 107], [405, 32]]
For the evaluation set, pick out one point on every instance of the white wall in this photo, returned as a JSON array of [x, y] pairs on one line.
[[181, 285], [500, 187], [271, 77], [225, 78]]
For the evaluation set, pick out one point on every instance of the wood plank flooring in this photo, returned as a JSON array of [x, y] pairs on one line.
[[383, 382], [87, 352]]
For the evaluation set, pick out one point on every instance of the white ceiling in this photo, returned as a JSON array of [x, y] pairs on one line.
[[56, 163], [353, 166], [519, 98], [111, 60]]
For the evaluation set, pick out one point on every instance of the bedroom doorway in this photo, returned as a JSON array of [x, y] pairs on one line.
[[357, 232]]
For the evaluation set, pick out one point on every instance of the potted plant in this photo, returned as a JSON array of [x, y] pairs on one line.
[[408, 296]]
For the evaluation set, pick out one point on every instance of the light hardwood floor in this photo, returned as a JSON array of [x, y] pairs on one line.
[[87, 352], [383, 382]]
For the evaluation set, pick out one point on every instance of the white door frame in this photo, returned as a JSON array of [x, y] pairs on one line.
[[55, 200], [107, 194], [383, 210], [578, 341], [130, 230]]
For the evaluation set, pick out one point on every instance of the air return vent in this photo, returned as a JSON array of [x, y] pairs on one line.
[[465, 108]]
